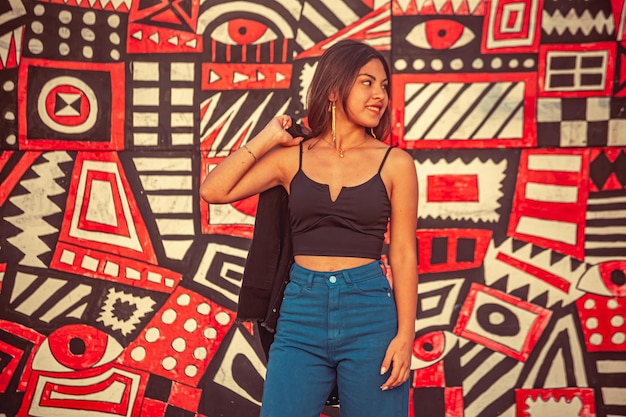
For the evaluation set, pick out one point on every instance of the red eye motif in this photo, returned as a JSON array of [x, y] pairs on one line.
[[440, 34], [243, 32]]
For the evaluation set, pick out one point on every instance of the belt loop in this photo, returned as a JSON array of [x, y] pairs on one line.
[[309, 279], [383, 267], [346, 277]]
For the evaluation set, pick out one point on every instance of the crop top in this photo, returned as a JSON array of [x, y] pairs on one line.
[[353, 225]]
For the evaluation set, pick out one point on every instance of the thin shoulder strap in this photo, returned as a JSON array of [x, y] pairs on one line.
[[300, 163], [384, 159]]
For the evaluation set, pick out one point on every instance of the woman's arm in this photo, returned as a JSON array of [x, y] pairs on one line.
[[403, 262], [251, 169]]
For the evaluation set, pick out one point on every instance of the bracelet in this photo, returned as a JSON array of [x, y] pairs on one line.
[[250, 152]]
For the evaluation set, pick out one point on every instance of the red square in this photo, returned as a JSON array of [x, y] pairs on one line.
[[184, 396]]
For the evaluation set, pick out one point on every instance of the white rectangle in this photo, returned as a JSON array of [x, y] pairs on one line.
[[182, 119], [182, 71], [548, 229], [169, 182], [617, 132], [145, 96], [175, 227], [179, 139], [614, 396], [162, 164], [555, 162], [145, 119], [181, 96], [606, 214], [551, 193], [145, 139], [162, 204], [145, 71]]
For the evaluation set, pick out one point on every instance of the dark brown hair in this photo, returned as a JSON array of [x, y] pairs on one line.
[[337, 70]]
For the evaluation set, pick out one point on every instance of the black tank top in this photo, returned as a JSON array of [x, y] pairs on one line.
[[354, 225]]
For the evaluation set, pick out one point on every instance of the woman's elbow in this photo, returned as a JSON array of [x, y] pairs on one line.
[[211, 195]]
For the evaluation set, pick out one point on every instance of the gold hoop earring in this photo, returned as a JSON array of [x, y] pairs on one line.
[[333, 123]]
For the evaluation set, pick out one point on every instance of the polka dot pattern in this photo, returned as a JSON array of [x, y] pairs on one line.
[[603, 322]]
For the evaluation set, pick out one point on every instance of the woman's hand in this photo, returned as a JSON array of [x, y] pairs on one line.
[[398, 357], [277, 129]]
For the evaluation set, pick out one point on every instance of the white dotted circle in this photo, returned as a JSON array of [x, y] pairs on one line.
[[152, 335], [190, 325], [528, 63], [138, 354], [419, 64], [436, 64], [89, 18], [456, 64], [115, 54], [114, 38], [618, 338], [595, 339], [514, 63], [200, 353], [39, 10], [210, 333], [65, 17], [589, 304], [183, 300], [8, 86], [400, 64], [9, 115], [496, 63], [191, 371], [617, 321], [11, 139], [592, 323], [169, 316], [204, 309], [64, 32], [64, 49], [477, 63], [612, 304], [35, 46], [113, 21], [179, 344], [168, 363], [88, 52], [37, 27], [88, 34], [222, 318]]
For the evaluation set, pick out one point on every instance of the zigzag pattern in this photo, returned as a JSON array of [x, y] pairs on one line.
[[117, 5], [574, 23]]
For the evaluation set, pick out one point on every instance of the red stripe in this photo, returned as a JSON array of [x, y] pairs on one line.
[[547, 277], [443, 188]]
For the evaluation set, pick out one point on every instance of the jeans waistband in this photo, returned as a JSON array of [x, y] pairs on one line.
[[303, 275]]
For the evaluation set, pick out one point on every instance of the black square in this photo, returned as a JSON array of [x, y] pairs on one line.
[[158, 388], [574, 109], [549, 134], [429, 402], [465, 250], [439, 254], [597, 133], [618, 107], [172, 411]]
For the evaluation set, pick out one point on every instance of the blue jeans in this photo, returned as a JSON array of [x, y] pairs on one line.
[[334, 327]]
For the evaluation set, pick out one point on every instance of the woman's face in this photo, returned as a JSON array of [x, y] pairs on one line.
[[368, 98]]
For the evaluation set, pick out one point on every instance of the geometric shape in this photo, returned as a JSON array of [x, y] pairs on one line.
[[606, 279], [577, 402], [512, 26], [184, 396], [501, 322], [78, 346], [453, 188], [122, 311], [245, 76], [597, 317], [447, 249], [436, 304]]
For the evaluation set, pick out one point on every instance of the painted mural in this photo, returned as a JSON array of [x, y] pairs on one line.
[[119, 287]]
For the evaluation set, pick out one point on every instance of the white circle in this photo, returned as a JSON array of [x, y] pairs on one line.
[[8, 86], [64, 49], [81, 85], [37, 27], [612, 304], [617, 321], [591, 323], [65, 17], [168, 363], [115, 54], [456, 64], [589, 304], [64, 32], [419, 64], [191, 371], [35, 46], [203, 308], [496, 63], [89, 18], [222, 318], [11, 139], [528, 63], [436, 64], [183, 300], [39, 10], [595, 339], [618, 338], [9, 115], [400, 64], [179, 344], [190, 325], [152, 335], [113, 21], [200, 353], [114, 38], [477, 63], [210, 333], [169, 316], [514, 63], [88, 34], [138, 354], [88, 52]]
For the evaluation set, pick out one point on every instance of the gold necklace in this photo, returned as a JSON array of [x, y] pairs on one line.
[[342, 150]]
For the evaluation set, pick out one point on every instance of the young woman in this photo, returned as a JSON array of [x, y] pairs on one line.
[[340, 321]]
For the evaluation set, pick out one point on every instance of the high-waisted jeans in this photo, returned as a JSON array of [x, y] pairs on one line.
[[334, 327]]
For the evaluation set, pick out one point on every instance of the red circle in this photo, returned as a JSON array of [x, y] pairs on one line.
[[429, 347], [70, 119], [443, 33], [246, 31], [94, 340]]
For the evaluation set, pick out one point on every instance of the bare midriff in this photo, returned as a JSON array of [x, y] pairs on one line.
[[330, 263]]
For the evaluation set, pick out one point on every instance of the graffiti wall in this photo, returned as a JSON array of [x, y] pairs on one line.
[[119, 287]]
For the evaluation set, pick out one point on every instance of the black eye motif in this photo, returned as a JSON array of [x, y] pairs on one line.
[[607, 278], [440, 34], [243, 32]]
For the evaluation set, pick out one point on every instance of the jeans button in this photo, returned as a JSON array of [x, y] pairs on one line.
[[332, 279]]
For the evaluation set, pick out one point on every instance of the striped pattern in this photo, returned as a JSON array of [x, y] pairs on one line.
[[605, 230]]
